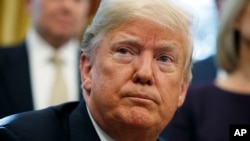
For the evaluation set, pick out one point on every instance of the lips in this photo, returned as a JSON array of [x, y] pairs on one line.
[[64, 20], [140, 97]]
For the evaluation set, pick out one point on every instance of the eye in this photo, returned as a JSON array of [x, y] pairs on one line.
[[166, 62], [165, 59], [122, 51], [123, 55]]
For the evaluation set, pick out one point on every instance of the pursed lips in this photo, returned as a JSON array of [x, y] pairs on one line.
[[142, 97]]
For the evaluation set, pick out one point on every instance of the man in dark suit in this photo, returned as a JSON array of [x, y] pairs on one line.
[[135, 70], [27, 72]]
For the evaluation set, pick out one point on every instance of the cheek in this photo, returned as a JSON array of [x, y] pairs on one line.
[[170, 89], [105, 85], [169, 101], [80, 14], [245, 31], [109, 77], [48, 19], [243, 25], [84, 11], [49, 9], [103, 76]]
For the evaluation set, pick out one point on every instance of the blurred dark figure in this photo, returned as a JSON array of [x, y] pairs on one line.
[[43, 69]]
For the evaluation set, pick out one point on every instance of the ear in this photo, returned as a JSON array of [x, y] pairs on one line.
[[183, 94], [85, 68]]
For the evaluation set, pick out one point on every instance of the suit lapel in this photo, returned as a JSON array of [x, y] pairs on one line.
[[80, 125]]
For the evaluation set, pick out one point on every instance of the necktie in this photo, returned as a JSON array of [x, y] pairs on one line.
[[59, 90]]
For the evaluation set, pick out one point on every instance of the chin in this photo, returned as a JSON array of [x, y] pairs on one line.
[[64, 32], [139, 117], [64, 35]]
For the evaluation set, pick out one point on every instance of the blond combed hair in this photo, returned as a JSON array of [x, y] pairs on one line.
[[112, 13]]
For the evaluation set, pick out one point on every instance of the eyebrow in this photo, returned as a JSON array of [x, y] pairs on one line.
[[167, 45], [127, 39], [135, 41]]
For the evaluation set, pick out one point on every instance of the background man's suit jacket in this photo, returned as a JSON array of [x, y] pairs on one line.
[[15, 81]]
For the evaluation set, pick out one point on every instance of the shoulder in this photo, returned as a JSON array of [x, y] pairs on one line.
[[199, 94], [42, 122], [204, 70], [8, 48], [205, 86], [7, 52], [36, 117]]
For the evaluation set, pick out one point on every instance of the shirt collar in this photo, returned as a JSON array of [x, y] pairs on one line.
[[102, 135]]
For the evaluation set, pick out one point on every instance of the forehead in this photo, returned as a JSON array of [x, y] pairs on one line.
[[143, 31]]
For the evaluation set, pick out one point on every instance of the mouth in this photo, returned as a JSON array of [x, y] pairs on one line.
[[140, 98], [65, 20]]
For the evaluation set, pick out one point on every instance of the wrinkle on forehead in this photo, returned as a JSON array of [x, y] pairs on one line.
[[133, 40]]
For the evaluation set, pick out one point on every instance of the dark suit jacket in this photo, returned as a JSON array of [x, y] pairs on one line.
[[15, 81], [204, 70], [66, 122]]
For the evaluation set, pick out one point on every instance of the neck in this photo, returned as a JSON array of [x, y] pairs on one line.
[[133, 134], [234, 82], [122, 131]]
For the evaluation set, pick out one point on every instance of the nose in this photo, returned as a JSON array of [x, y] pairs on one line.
[[144, 71], [68, 5]]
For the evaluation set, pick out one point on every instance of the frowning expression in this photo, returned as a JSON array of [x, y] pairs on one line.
[[136, 75]]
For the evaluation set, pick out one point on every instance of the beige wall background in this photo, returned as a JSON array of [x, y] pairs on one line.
[[14, 20]]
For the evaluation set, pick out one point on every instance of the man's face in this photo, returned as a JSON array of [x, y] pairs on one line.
[[58, 18], [136, 76]]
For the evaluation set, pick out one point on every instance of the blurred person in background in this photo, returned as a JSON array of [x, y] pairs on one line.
[[210, 108], [206, 70], [43, 69]]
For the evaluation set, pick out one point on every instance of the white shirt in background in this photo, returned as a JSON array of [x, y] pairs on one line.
[[42, 69]]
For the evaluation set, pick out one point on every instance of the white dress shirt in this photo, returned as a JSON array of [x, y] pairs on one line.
[[42, 69], [101, 134]]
